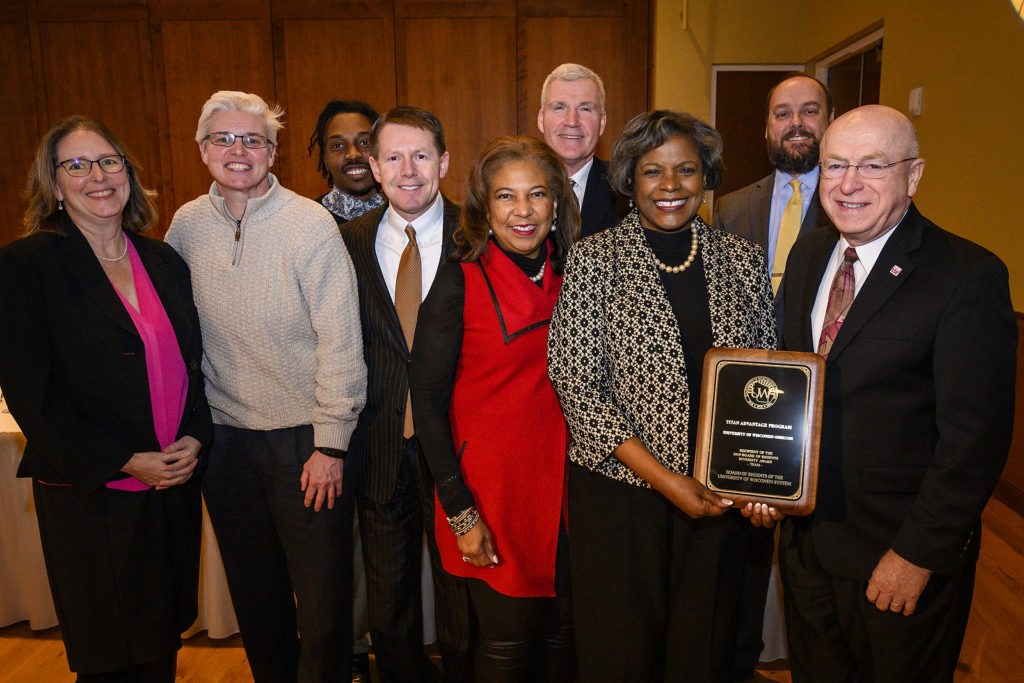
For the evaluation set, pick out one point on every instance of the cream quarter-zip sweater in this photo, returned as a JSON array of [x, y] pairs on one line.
[[279, 312]]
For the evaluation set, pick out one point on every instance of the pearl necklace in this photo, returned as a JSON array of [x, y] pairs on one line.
[[123, 251], [685, 264], [540, 273]]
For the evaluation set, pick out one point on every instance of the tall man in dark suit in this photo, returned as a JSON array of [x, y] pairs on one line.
[[396, 251], [772, 213], [920, 343], [572, 119]]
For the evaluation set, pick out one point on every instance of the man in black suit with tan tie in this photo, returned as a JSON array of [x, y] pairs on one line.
[[919, 337], [572, 119], [396, 250], [772, 212]]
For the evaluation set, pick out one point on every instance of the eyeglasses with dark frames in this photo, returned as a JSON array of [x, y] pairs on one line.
[[78, 167]]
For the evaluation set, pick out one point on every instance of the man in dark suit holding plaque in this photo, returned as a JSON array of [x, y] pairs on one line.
[[919, 338]]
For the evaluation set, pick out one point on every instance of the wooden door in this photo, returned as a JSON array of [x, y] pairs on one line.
[[739, 115]]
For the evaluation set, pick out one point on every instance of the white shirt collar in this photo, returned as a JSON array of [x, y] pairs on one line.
[[808, 180], [580, 177], [429, 225], [868, 253]]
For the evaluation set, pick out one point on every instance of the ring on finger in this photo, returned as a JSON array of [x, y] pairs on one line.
[[465, 558]]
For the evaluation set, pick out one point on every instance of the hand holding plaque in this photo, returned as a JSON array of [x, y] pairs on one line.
[[759, 427]]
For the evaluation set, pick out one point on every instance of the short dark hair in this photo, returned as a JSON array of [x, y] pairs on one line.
[[829, 106], [413, 117], [333, 108], [139, 213], [472, 234], [653, 129]]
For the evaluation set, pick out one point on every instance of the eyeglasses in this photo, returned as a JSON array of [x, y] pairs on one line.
[[77, 168], [250, 140], [837, 169]]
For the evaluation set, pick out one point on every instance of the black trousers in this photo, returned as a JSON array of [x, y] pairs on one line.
[[655, 593], [835, 634], [289, 568], [525, 640], [392, 536]]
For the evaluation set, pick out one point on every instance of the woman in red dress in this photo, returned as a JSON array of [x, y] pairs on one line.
[[487, 416]]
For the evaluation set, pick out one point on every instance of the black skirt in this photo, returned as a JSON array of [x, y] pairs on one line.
[[123, 570]]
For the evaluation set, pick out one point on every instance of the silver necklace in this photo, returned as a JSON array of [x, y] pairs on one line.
[[540, 273], [685, 264], [123, 251]]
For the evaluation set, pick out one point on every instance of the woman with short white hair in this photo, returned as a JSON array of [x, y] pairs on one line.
[[276, 295]]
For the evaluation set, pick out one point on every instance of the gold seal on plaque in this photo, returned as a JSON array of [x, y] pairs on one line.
[[761, 392]]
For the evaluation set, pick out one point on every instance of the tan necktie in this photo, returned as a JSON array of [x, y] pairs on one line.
[[840, 298], [408, 287], [789, 228]]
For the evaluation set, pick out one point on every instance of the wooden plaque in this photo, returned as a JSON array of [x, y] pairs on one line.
[[759, 427]]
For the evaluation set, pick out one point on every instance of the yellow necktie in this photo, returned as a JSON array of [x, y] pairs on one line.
[[789, 228]]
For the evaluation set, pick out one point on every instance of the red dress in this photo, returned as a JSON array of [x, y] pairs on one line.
[[506, 420]]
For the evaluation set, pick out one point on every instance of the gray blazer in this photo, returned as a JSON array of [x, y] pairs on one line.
[[746, 212]]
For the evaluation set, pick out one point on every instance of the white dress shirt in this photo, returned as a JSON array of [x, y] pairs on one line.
[[392, 240], [580, 178], [867, 254]]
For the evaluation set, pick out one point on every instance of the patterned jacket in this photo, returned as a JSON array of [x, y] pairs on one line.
[[615, 355]]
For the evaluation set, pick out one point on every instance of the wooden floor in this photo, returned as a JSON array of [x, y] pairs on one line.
[[993, 650]]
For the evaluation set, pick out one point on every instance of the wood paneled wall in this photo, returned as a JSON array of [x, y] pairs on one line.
[[145, 67]]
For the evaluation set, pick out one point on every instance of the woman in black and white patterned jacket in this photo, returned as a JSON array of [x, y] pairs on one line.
[[656, 558]]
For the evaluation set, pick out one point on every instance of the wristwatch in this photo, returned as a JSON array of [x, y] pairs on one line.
[[332, 452]]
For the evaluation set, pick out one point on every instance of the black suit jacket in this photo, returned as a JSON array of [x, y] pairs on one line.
[[72, 364], [918, 407], [376, 446], [602, 208]]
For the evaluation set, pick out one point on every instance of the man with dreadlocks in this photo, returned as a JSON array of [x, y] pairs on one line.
[[342, 139]]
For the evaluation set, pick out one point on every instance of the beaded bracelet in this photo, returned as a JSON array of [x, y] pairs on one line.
[[464, 521]]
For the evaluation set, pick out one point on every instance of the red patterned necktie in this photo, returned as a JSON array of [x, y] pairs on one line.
[[840, 296]]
